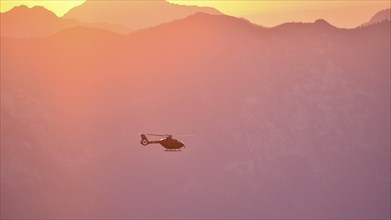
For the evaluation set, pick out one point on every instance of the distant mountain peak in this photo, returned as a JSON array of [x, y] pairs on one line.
[[34, 11], [21, 7], [381, 16], [322, 22], [202, 16], [24, 22], [318, 25], [133, 14]]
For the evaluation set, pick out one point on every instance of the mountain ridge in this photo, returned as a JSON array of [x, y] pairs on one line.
[[133, 14], [381, 16], [24, 22]]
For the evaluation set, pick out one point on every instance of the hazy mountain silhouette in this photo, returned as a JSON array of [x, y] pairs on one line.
[[133, 14], [316, 25], [25, 22], [287, 123], [380, 16]]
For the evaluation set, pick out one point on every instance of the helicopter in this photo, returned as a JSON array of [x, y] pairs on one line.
[[168, 142]]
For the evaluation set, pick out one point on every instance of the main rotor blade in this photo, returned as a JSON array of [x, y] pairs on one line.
[[159, 135], [166, 135]]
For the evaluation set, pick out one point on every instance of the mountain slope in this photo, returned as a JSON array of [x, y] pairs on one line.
[[27, 22], [384, 15], [381, 16], [133, 14], [281, 118], [22, 21]]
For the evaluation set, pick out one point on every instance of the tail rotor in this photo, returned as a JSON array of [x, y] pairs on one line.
[[144, 141]]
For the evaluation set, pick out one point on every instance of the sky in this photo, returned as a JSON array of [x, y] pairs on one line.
[[268, 13]]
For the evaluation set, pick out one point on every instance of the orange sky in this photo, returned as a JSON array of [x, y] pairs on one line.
[[268, 13]]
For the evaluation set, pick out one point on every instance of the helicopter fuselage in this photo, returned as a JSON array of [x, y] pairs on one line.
[[168, 142], [171, 144]]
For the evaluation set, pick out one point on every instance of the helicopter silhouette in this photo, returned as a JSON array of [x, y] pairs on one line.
[[168, 142]]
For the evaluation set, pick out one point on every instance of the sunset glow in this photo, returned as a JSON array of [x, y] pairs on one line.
[[271, 13], [268, 13], [180, 109]]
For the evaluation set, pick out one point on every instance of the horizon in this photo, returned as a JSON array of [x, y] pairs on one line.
[[342, 14]]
